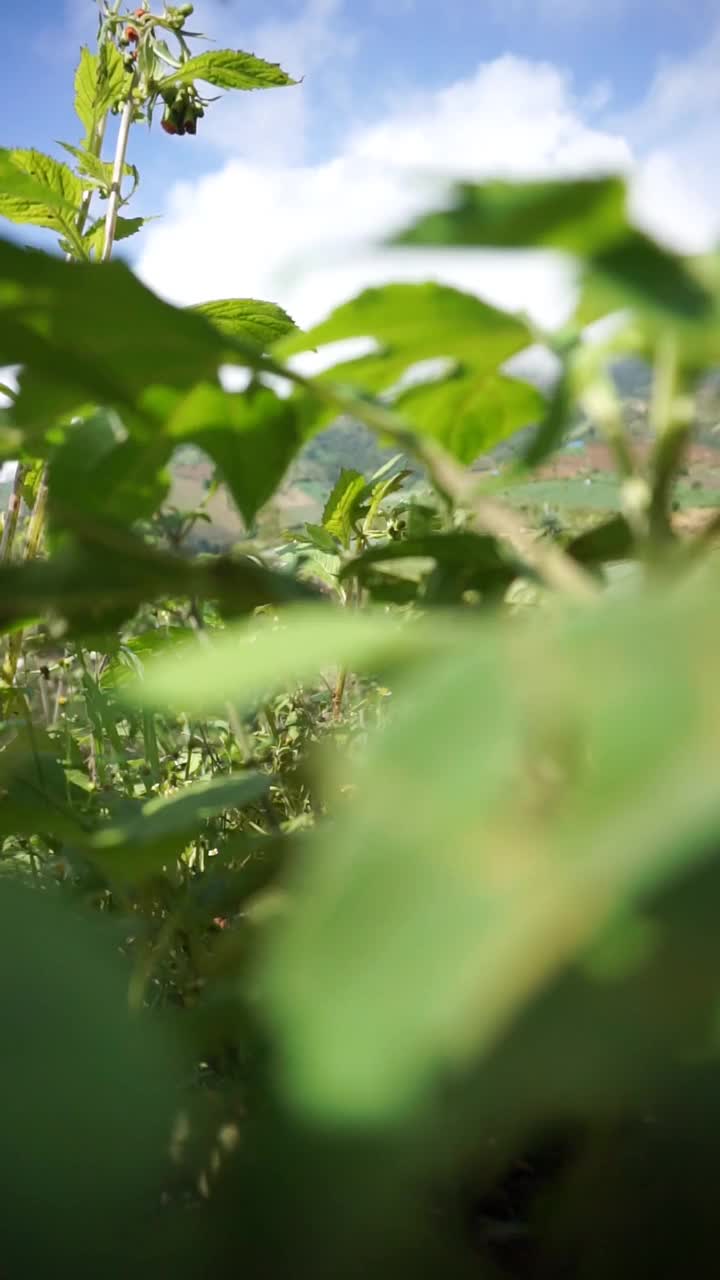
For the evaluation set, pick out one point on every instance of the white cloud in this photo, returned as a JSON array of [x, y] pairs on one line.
[[304, 234], [273, 127], [674, 132]]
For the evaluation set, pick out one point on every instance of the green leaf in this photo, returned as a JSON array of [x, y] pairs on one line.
[[57, 191], [230, 69], [343, 504], [527, 790], [471, 415], [413, 323], [587, 219], [21, 190], [93, 334], [244, 663], [380, 489], [94, 238], [252, 437], [163, 826], [260, 322], [101, 82], [321, 539], [90, 165]]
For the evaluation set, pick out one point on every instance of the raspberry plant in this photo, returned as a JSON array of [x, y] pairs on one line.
[[358, 870]]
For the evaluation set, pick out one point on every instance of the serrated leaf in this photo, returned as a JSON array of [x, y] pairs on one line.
[[90, 165], [260, 322], [94, 237], [19, 187], [342, 506], [101, 82], [230, 69], [57, 191]]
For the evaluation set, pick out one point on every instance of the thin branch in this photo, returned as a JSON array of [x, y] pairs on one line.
[[117, 175]]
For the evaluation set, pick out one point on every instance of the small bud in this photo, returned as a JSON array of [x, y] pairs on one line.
[[186, 10]]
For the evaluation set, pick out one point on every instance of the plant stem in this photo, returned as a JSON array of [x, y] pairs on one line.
[[117, 173], [12, 515]]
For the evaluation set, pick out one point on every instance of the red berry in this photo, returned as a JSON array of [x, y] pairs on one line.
[[140, 13], [169, 125], [190, 126], [131, 34]]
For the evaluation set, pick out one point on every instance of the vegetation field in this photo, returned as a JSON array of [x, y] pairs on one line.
[[359, 740]]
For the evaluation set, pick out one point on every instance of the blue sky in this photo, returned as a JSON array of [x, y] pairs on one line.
[[392, 88]]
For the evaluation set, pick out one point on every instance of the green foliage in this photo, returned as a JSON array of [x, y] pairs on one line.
[[365, 1031], [36, 188], [261, 322], [398, 840], [25, 190], [101, 82], [587, 219], [230, 69]]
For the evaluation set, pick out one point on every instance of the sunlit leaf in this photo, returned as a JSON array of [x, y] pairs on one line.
[[35, 188], [261, 322], [230, 69]]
